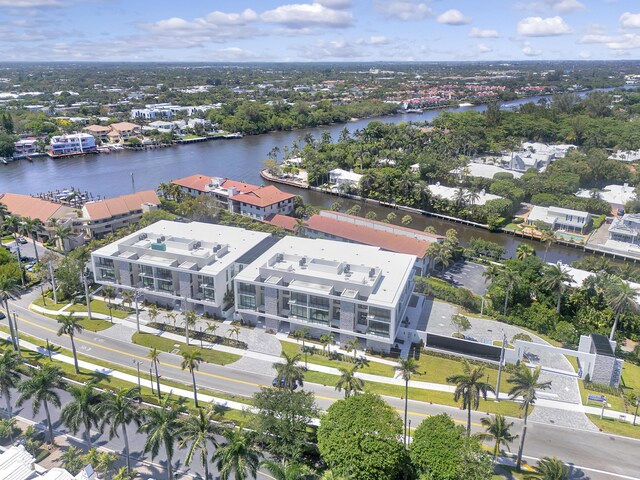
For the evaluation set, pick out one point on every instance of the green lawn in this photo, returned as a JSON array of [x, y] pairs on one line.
[[442, 398], [374, 368], [631, 378], [616, 402], [95, 325], [50, 305], [98, 306], [436, 370], [167, 345], [609, 425]]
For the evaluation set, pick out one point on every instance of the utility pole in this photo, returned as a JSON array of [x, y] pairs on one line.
[[138, 362], [136, 296], [53, 283], [504, 343]]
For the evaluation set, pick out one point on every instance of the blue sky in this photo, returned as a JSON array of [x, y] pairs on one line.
[[318, 30]]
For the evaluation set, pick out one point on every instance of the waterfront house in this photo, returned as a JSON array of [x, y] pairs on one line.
[[183, 265], [106, 216], [72, 144], [219, 188], [162, 126], [451, 194], [99, 132], [24, 148], [560, 218], [262, 202], [125, 130], [358, 292], [51, 214], [340, 178], [626, 229], [392, 238]]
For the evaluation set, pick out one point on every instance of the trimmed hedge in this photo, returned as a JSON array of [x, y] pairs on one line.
[[436, 288]]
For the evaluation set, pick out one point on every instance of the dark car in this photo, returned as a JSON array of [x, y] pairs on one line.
[[2, 316], [283, 383]]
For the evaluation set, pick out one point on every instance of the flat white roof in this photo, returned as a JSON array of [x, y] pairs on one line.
[[329, 264], [486, 171], [220, 246], [449, 193], [612, 194]]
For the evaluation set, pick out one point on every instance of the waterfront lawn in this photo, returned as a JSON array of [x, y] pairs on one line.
[[168, 345], [504, 407], [50, 305], [616, 427], [374, 368], [98, 306], [436, 369]]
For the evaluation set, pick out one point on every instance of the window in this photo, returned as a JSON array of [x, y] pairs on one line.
[[319, 302], [146, 270], [107, 274], [380, 314], [246, 288], [165, 285], [380, 329], [164, 273], [318, 316], [105, 262], [298, 298], [247, 301], [147, 282]]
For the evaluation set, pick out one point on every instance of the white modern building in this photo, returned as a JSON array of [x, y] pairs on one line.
[[340, 177], [560, 218], [359, 291], [74, 144], [184, 265], [626, 229], [451, 194]]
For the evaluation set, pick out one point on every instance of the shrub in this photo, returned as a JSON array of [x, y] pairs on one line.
[[440, 289]]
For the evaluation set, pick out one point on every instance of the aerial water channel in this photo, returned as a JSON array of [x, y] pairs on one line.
[[241, 159]]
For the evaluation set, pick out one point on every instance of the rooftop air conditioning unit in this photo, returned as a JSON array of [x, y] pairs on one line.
[[161, 239], [347, 268], [372, 272], [142, 236], [280, 258], [216, 247], [302, 261], [197, 245]]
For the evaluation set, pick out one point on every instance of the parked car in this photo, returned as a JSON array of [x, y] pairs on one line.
[[22, 240], [283, 383], [2, 316]]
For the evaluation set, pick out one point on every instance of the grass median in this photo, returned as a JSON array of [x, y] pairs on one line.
[[616, 427], [150, 340]]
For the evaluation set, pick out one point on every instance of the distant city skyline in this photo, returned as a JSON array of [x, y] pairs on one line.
[[318, 30]]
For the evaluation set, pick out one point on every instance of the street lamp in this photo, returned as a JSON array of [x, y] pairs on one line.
[[138, 363], [504, 343], [15, 327], [136, 296], [85, 280]]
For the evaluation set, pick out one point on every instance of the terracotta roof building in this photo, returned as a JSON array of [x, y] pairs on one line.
[[353, 229], [282, 221], [262, 202], [108, 215], [219, 188]]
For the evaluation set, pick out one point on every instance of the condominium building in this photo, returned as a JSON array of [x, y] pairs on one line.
[[189, 266], [359, 291], [74, 144]]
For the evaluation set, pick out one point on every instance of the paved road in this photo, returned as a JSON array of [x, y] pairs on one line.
[[591, 450]]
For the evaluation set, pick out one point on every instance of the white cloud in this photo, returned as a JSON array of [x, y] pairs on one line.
[[403, 9], [479, 33], [377, 40], [630, 20], [335, 4], [482, 48], [333, 49], [300, 16], [529, 51], [628, 41], [543, 6], [543, 27], [453, 17], [232, 54], [585, 54]]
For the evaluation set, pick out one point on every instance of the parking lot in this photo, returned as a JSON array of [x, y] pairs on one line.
[[468, 275]]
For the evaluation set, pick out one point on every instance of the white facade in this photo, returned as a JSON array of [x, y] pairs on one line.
[[450, 194], [359, 291], [339, 176], [615, 195], [560, 218], [72, 144], [174, 264]]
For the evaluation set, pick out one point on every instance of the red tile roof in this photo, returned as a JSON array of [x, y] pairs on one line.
[[124, 126], [28, 206], [282, 221], [120, 205], [194, 182], [368, 236], [242, 187], [263, 196], [385, 226]]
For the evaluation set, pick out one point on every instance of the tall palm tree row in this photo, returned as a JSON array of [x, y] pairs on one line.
[[9, 376], [70, 325], [349, 382], [556, 278], [9, 290], [237, 456], [191, 361], [289, 374], [197, 432], [82, 409]]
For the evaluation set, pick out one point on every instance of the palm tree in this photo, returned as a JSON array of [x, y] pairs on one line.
[[325, 341], [127, 298], [119, 409], [235, 330], [154, 312], [190, 319], [238, 456], [622, 298], [9, 376], [354, 344], [497, 429], [30, 227], [191, 361], [82, 409], [555, 278], [509, 278], [42, 389], [212, 328], [196, 432], [550, 468], [109, 294], [406, 368], [470, 388], [524, 250], [349, 382], [438, 252], [288, 470], [289, 374], [12, 225], [302, 334], [525, 383], [62, 233], [125, 474], [154, 356], [8, 289], [70, 325], [161, 425], [298, 228]]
